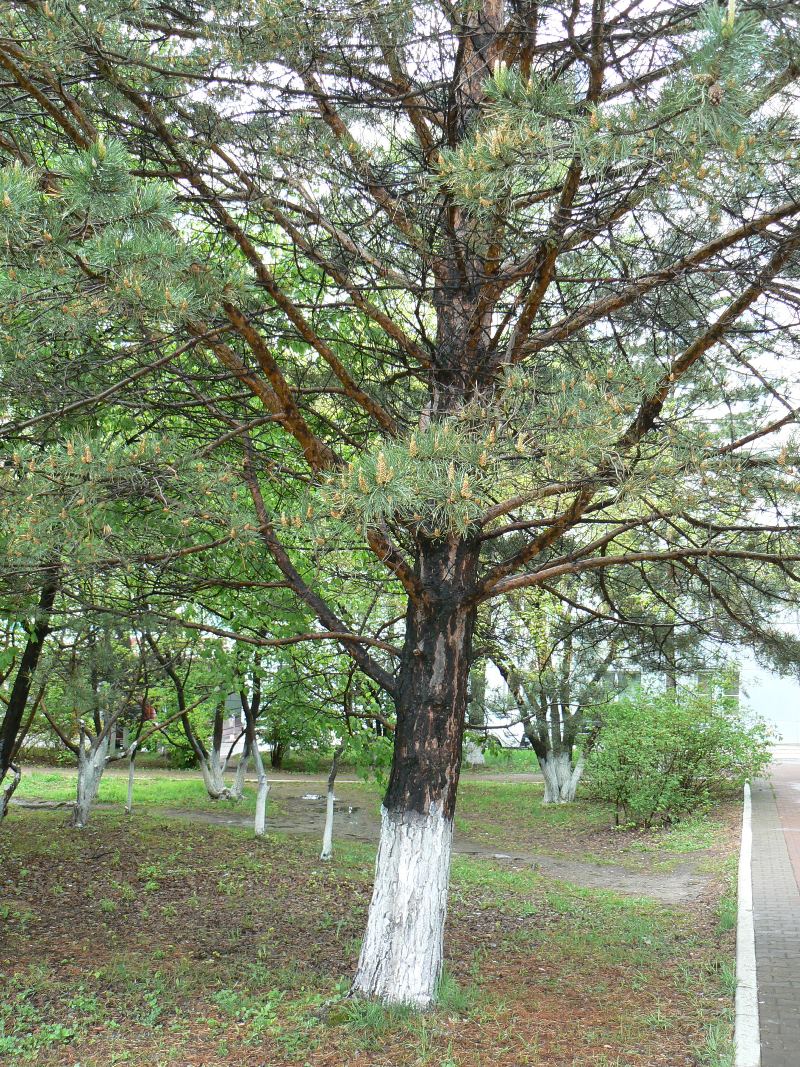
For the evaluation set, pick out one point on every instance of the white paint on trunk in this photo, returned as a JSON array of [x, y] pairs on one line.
[[211, 769], [8, 791], [237, 790], [262, 792], [401, 956], [327, 836], [92, 760], [560, 777], [131, 769]]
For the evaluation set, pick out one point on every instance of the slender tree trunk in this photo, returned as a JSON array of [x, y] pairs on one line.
[[262, 790], [21, 689], [131, 771], [401, 955], [8, 792], [92, 759], [210, 760], [216, 769], [211, 769], [327, 836], [277, 752]]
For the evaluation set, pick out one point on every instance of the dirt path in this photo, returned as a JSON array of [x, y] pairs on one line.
[[306, 816]]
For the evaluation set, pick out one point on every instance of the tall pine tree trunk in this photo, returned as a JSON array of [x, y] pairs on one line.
[[401, 955]]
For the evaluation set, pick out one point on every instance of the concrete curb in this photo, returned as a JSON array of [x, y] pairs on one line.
[[747, 1033]]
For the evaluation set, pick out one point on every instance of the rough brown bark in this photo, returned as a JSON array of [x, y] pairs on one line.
[[20, 691], [432, 682]]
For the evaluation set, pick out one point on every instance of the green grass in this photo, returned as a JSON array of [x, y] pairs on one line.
[[502, 816], [207, 943], [694, 834], [511, 761], [149, 791]]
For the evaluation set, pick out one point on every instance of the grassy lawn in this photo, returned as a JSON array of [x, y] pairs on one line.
[[510, 816], [153, 942], [502, 815]]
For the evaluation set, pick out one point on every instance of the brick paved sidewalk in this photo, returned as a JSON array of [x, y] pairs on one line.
[[776, 911]]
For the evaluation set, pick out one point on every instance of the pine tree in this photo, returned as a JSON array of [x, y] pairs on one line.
[[500, 284]]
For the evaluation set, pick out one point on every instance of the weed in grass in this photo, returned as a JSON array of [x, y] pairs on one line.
[[727, 977], [372, 1021], [657, 1020], [726, 913], [25, 1030], [16, 915], [258, 1013], [88, 1006], [717, 1049], [453, 998]]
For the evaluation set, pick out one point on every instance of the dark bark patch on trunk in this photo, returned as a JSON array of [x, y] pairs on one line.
[[432, 683]]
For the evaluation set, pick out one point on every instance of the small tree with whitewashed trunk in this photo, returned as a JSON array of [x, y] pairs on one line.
[[181, 668], [93, 682], [237, 789], [212, 763], [556, 664], [262, 793], [330, 802], [93, 756], [251, 706], [132, 753]]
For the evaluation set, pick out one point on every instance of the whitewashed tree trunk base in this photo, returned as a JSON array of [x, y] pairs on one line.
[[327, 836], [560, 777], [401, 956], [131, 771], [91, 764], [262, 793], [237, 791], [8, 790], [213, 779]]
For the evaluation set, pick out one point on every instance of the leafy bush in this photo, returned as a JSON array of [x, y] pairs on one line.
[[46, 755], [660, 756], [180, 757]]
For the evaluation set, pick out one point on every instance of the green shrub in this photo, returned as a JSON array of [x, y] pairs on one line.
[[180, 757], [660, 756], [46, 755]]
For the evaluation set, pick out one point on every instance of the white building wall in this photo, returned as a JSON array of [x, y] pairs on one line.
[[775, 698]]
